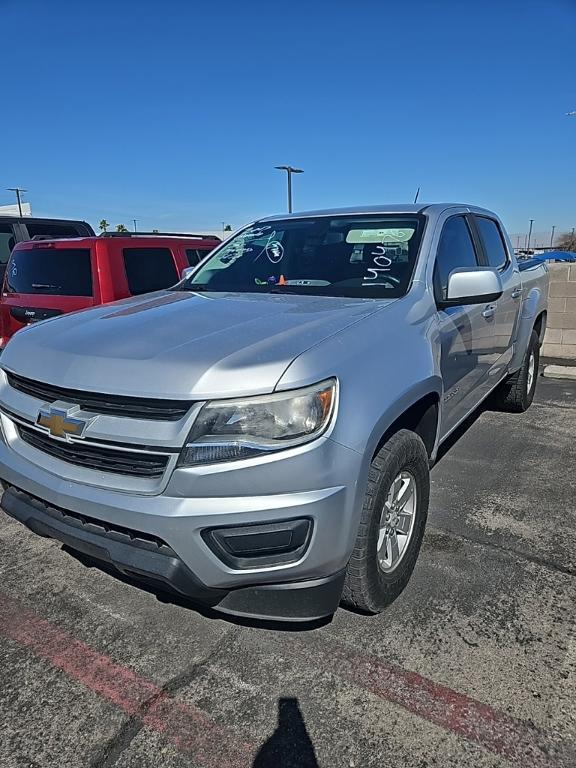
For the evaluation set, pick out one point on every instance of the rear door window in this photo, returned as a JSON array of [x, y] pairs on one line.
[[149, 269], [493, 242], [53, 271]]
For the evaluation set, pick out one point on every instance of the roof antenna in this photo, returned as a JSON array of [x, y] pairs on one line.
[[417, 193]]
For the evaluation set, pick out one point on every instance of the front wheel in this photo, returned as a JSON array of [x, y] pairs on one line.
[[391, 525], [516, 393]]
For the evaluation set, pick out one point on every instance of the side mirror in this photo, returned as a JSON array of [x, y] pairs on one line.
[[186, 272], [476, 285]]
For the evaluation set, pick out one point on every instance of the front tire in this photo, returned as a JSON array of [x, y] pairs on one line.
[[391, 525], [516, 393]]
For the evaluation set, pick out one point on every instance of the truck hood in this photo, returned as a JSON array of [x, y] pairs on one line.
[[176, 344]]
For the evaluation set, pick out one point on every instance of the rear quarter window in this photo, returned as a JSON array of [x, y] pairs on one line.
[[149, 269], [52, 271]]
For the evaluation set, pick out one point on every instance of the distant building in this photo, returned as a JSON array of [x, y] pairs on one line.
[[12, 210]]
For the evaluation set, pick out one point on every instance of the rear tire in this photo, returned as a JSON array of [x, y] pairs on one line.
[[516, 393], [396, 499]]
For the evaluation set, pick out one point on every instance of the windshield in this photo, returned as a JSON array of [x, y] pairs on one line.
[[361, 256]]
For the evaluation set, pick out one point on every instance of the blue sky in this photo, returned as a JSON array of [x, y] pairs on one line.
[[175, 113]]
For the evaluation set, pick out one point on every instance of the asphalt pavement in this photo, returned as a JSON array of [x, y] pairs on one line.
[[474, 665]]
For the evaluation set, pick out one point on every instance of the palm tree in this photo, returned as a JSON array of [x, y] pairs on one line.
[[103, 225], [567, 242], [121, 228]]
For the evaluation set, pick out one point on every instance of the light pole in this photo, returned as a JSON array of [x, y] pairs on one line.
[[135, 227], [529, 234], [552, 236], [289, 171], [18, 191]]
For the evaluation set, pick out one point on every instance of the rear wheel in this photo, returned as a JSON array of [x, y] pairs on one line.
[[391, 525], [516, 393]]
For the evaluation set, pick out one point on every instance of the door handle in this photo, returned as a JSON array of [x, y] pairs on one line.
[[489, 312], [516, 293]]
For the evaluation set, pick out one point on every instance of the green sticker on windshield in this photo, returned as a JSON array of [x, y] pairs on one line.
[[359, 236]]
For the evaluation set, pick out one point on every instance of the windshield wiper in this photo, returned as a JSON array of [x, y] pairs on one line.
[[290, 289], [194, 287]]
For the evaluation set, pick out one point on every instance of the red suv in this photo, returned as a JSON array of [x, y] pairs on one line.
[[45, 278]]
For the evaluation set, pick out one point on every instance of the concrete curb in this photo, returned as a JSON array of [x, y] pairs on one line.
[[560, 372]]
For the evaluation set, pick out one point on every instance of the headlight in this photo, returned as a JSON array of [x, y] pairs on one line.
[[225, 430]]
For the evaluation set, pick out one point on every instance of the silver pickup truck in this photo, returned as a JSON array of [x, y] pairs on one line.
[[259, 437]]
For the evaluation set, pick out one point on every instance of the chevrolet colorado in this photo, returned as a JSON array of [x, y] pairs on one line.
[[258, 438]]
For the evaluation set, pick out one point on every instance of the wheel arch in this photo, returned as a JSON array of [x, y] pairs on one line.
[[421, 417], [540, 325], [532, 317]]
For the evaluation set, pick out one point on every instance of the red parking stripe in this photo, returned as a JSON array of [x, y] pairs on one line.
[[517, 741], [187, 727]]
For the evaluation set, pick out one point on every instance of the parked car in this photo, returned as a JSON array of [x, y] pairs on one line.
[[259, 437], [46, 278], [16, 229], [561, 256]]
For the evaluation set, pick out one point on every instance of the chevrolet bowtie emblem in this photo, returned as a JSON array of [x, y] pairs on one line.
[[61, 421]]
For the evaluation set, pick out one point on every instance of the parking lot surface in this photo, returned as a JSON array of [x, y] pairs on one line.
[[474, 665]]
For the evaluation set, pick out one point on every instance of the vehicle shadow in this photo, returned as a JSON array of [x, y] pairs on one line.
[[489, 405], [172, 598], [290, 745], [461, 430]]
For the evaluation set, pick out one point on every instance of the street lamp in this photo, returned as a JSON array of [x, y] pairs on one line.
[[18, 191], [529, 234], [552, 236], [289, 171], [135, 222]]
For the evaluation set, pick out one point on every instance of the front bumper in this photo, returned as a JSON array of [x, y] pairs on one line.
[[306, 589], [160, 566]]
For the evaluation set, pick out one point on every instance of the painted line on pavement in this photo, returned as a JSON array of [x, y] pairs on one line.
[[187, 727], [515, 740]]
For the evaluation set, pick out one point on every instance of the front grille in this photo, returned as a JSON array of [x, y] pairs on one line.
[[96, 457], [109, 405]]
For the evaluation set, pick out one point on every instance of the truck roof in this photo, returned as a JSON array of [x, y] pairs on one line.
[[434, 208]]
